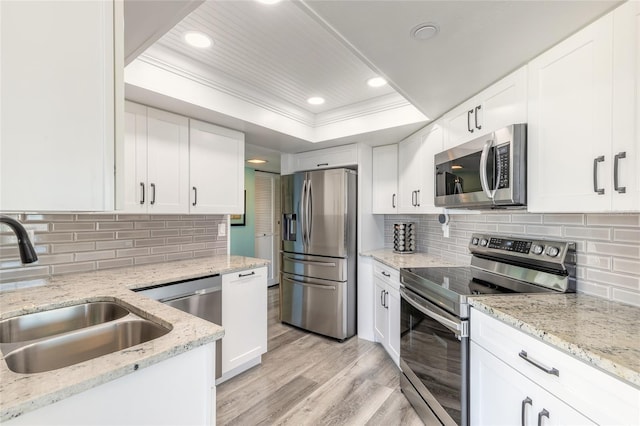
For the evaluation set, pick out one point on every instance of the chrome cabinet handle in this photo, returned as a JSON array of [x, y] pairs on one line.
[[554, 371], [322, 164], [382, 298], [142, 186], [153, 194], [525, 401], [616, 174], [469, 129], [418, 198], [599, 191], [393, 201], [195, 196], [476, 116], [386, 295], [247, 275], [386, 274], [541, 414]]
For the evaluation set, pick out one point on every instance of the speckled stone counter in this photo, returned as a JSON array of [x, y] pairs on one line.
[[412, 260], [20, 393], [599, 332]]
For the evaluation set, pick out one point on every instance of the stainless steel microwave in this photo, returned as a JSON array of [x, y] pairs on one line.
[[487, 172]]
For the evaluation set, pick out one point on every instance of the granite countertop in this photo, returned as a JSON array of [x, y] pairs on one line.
[[600, 332], [20, 393], [408, 260]]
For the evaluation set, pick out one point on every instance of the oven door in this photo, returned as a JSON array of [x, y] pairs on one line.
[[434, 349]]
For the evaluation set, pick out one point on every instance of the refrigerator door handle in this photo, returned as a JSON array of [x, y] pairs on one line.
[[311, 262], [309, 211], [303, 212], [318, 286]]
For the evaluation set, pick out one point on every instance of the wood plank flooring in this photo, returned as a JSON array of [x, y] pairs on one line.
[[306, 379]]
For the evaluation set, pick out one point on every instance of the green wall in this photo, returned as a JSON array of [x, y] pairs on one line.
[[242, 238]]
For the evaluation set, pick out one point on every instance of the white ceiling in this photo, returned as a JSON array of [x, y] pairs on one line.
[[277, 56]]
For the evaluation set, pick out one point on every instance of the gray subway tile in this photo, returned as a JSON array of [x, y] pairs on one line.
[[622, 250], [36, 217], [204, 253], [14, 274], [627, 235], [592, 261], [132, 217], [610, 278], [52, 259], [180, 256], [165, 233], [627, 266], [148, 242], [96, 217], [117, 244], [72, 226], [193, 231], [54, 237], [95, 236], [594, 289], [141, 260], [545, 231], [165, 249], [149, 225], [179, 240], [114, 226], [526, 218], [73, 267], [133, 252], [625, 296], [193, 246], [564, 219], [115, 263], [614, 219], [127, 235], [73, 247], [588, 233], [95, 255]]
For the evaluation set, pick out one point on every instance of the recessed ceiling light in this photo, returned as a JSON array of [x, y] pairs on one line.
[[376, 82], [197, 39], [424, 31], [269, 1], [316, 100], [256, 161]]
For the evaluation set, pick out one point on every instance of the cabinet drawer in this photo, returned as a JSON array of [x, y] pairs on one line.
[[387, 274], [599, 396]]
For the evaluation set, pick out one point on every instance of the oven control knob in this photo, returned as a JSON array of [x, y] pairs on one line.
[[553, 251], [474, 241], [484, 242], [537, 249]]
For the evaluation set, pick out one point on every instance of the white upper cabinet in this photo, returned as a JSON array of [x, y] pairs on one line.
[[385, 179], [61, 85], [500, 105], [416, 170], [153, 164], [216, 169], [328, 158], [583, 119]]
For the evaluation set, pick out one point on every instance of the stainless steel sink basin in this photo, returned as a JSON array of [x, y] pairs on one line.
[[57, 338], [82, 345], [57, 321]]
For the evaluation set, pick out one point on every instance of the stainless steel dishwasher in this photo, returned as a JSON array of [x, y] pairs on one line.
[[200, 297]]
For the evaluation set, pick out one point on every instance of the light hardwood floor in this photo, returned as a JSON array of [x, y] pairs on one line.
[[306, 379]]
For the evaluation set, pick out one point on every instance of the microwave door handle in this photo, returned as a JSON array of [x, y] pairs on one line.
[[483, 169], [498, 171]]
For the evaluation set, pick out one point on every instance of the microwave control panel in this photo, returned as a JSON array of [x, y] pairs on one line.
[[502, 158]]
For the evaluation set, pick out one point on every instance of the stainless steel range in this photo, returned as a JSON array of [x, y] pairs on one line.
[[434, 342]]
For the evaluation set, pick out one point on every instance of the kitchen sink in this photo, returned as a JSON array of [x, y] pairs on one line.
[[57, 321], [32, 344]]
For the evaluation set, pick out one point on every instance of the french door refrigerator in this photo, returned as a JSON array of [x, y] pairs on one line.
[[318, 258]]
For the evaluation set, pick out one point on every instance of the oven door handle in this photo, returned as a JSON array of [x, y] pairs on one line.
[[460, 329]]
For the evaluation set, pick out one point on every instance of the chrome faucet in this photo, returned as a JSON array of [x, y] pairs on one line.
[[27, 252]]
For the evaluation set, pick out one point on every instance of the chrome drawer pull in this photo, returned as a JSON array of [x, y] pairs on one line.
[[600, 159], [525, 401], [616, 172], [386, 274], [247, 275], [554, 371]]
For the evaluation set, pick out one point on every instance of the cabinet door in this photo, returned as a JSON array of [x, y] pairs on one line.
[[626, 107], [503, 103], [132, 161], [167, 162], [460, 123], [216, 169], [393, 332], [499, 395], [409, 165], [570, 101], [385, 179], [329, 158], [380, 312], [432, 142], [58, 83], [244, 317]]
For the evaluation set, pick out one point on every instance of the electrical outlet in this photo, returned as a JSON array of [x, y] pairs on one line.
[[445, 230], [222, 229]]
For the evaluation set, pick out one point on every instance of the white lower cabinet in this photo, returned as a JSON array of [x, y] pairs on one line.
[[518, 379], [244, 318], [177, 391], [387, 309], [502, 396]]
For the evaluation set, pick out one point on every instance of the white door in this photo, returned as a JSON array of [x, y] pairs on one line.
[[504, 103], [133, 161], [432, 143], [267, 214], [460, 123], [385, 179], [167, 162], [570, 105], [393, 303], [409, 164], [381, 317], [216, 169]]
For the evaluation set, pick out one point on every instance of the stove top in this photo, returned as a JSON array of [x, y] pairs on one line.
[[499, 266]]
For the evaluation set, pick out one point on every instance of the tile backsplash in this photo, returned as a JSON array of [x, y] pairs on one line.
[[608, 245], [86, 242]]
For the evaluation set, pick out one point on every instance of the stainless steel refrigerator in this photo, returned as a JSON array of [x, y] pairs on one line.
[[318, 275]]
